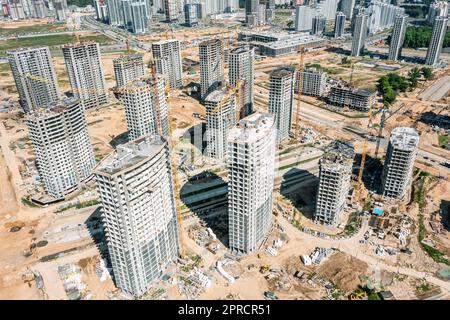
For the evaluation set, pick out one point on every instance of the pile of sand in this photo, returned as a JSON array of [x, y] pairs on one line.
[[344, 271]]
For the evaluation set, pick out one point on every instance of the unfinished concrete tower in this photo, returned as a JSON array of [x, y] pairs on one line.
[[334, 182], [85, 71], [437, 39], [359, 35], [314, 82], [281, 100], [62, 145], [242, 65], [138, 212], [219, 121], [251, 166], [397, 37], [35, 77], [168, 61], [398, 166], [171, 10], [211, 66], [128, 68], [145, 113]]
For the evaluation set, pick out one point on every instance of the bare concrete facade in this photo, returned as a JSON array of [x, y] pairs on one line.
[[334, 182], [398, 167]]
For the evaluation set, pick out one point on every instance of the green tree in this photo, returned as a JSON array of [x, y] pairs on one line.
[[79, 3], [389, 96], [413, 12], [389, 85], [414, 75], [427, 72], [290, 24]]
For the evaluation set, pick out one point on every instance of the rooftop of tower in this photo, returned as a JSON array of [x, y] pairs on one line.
[[216, 96], [209, 42], [128, 57], [139, 84], [252, 128], [241, 49], [127, 155], [27, 49], [282, 72], [338, 153], [164, 41], [51, 109], [404, 138], [79, 44]]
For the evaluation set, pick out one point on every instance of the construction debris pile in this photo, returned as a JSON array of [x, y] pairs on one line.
[[192, 280], [155, 294], [278, 280], [102, 271], [317, 256], [273, 249], [229, 268], [71, 276], [201, 235], [192, 284], [308, 135]]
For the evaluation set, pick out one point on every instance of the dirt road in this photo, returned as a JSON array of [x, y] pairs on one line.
[[350, 246]]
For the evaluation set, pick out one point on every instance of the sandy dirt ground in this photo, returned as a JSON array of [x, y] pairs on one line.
[[106, 126]]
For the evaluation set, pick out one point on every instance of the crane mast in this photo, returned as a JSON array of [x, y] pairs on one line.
[[299, 94]]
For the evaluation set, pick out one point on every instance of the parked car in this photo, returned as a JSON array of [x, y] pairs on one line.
[[269, 295]]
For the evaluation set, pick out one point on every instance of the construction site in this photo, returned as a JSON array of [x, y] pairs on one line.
[[370, 248]]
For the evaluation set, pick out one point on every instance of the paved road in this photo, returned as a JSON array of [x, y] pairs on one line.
[[437, 90]]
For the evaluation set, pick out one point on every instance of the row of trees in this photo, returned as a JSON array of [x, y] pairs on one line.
[[416, 12], [79, 3], [389, 85], [419, 37]]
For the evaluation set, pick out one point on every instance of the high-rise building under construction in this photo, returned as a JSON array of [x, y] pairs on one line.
[[138, 212], [35, 77], [85, 71], [334, 182], [398, 167], [251, 166]]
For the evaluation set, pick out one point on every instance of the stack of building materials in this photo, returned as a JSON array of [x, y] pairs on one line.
[[102, 271], [226, 275], [317, 256], [72, 283], [202, 279], [272, 251]]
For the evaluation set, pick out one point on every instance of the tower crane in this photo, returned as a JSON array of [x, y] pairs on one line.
[[171, 148], [364, 150], [36, 78], [301, 68], [382, 124], [172, 158], [233, 90]]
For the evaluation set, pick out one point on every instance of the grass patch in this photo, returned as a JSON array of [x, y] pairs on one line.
[[352, 224], [297, 163], [424, 287], [53, 40], [286, 151], [434, 253], [29, 203], [5, 32], [420, 195], [358, 115], [324, 69], [80, 205], [443, 139], [420, 192], [4, 67]]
